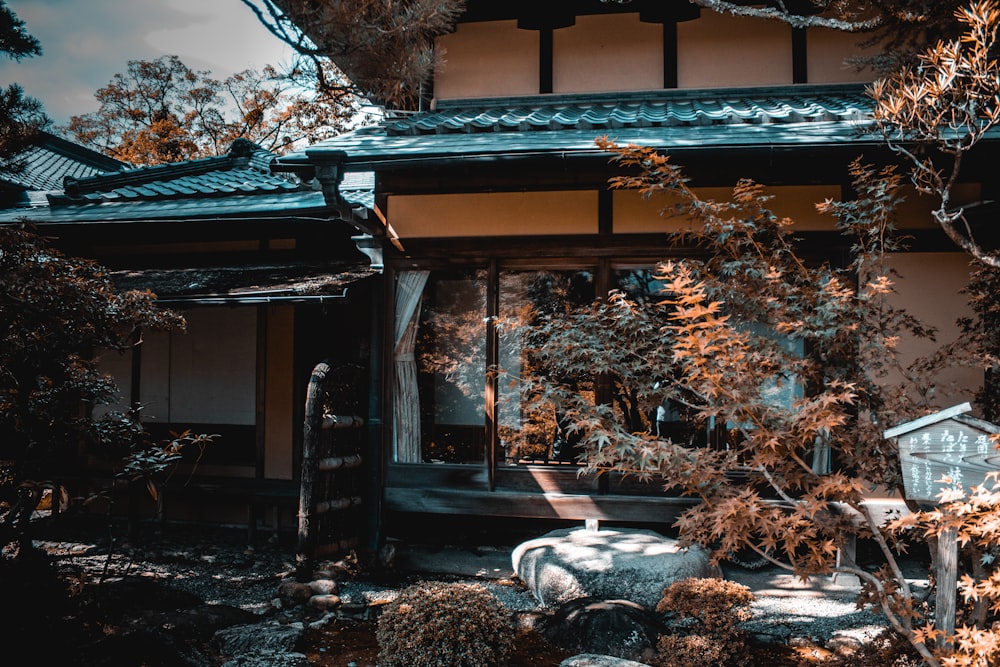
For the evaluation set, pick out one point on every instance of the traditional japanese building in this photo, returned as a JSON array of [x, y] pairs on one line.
[[495, 199], [270, 282], [389, 251], [41, 168]]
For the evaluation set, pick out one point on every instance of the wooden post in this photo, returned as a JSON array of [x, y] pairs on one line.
[[310, 451], [947, 583], [945, 451], [847, 554]]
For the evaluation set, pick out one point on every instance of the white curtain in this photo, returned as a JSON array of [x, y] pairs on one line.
[[405, 395]]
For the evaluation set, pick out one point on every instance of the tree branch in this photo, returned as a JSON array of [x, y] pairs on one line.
[[794, 20]]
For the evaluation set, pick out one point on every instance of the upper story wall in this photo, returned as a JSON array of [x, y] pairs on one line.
[[619, 52]]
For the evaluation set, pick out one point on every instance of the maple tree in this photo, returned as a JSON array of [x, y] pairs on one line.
[[948, 101], [752, 315], [162, 111]]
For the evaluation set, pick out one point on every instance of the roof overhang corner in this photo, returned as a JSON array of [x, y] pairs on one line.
[[329, 166]]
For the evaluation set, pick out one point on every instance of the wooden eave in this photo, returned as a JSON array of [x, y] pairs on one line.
[[562, 13]]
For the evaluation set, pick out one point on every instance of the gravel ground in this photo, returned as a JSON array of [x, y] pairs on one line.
[[221, 570]]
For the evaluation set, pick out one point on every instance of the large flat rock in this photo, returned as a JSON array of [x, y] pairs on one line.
[[595, 660], [627, 564]]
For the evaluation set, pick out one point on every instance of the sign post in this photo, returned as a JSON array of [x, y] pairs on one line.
[[941, 451]]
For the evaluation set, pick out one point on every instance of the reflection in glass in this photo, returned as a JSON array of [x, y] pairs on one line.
[[529, 430], [671, 419], [439, 356]]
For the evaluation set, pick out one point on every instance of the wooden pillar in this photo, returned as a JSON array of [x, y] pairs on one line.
[[312, 425], [947, 583]]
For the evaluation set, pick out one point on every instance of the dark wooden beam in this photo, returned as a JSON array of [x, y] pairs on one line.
[[561, 13], [641, 509], [492, 383], [800, 60], [605, 211], [545, 60], [669, 54], [260, 393]]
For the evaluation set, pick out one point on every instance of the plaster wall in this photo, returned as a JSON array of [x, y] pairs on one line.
[[618, 52], [206, 375], [929, 286], [278, 392], [614, 52], [635, 215], [488, 59], [827, 51], [717, 51], [493, 214]]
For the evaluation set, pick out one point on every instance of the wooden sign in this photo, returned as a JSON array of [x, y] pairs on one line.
[[945, 450]]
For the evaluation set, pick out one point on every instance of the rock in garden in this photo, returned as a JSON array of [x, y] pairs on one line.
[[269, 659], [595, 660], [294, 593], [324, 602], [617, 628], [258, 638], [629, 564], [324, 587]]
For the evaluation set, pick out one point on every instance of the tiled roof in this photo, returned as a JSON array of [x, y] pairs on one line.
[[261, 204], [244, 170], [666, 110], [235, 184], [358, 188], [803, 115], [227, 181], [45, 165]]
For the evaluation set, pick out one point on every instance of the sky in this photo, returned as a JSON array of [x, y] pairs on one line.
[[86, 42]]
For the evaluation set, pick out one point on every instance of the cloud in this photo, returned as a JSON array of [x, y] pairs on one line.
[[85, 42]]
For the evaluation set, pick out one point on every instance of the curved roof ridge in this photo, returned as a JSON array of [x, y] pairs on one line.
[[764, 105], [242, 153]]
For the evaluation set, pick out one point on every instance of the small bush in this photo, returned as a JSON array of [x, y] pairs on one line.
[[435, 624], [707, 614], [886, 649]]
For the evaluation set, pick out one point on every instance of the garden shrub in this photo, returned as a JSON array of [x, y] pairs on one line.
[[886, 649], [706, 631], [437, 624]]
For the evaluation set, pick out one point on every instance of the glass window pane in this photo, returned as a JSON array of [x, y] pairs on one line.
[[532, 433], [673, 419], [440, 367], [669, 418]]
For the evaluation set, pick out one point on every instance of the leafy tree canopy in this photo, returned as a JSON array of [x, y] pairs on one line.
[[15, 42], [56, 313], [935, 111], [161, 111], [21, 117], [386, 48]]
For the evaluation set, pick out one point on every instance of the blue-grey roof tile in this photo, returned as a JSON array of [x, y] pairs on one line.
[[44, 165], [568, 124], [172, 209], [670, 108], [245, 169], [358, 188]]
